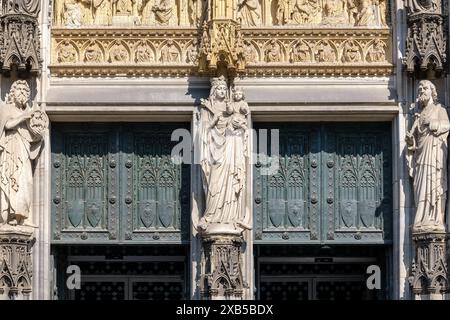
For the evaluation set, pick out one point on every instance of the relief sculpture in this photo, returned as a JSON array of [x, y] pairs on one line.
[[250, 13]]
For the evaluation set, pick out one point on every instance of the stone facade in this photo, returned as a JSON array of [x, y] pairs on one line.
[[104, 72]]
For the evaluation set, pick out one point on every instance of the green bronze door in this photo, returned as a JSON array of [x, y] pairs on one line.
[[118, 183], [333, 185]]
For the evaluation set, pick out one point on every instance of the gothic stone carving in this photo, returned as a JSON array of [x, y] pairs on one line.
[[249, 13], [221, 45], [20, 35], [427, 146], [222, 268], [22, 129], [15, 264], [74, 13], [85, 52], [429, 269], [426, 41], [224, 160]]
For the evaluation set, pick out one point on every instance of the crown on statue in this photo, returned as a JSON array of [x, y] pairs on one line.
[[218, 81]]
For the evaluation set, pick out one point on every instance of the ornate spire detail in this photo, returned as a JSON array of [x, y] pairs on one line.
[[429, 275], [221, 46], [426, 43], [20, 45]]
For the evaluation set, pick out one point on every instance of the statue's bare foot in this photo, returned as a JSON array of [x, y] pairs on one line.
[[13, 222]]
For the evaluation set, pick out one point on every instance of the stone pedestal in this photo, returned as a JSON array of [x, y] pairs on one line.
[[221, 277], [15, 262], [429, 277]]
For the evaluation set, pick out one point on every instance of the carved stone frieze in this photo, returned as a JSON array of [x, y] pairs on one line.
[[150, 52], [192, 13], [20, 44], [426, 41], [429, 277]]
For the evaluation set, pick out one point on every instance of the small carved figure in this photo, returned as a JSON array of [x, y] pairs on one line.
[[428, 6], [118, 53], [67, 53], [307, 12], [334, 12], [240, 110], [170, 53], [197, 11], [377, 52], [165, 12], [352, 10], [381, 12], [93, 54], [248, 12], [325, 52], [273, 52], [102, 12], [22, 129], [351, 52], [366, 14], [31, 7], [283, 13], [144, 53], [427, 159], [192, 53], [123, 7], [300, 53], [73, 15], [250, 55]]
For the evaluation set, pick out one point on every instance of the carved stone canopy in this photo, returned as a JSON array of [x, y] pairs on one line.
[[426, 47], [429, 269], [19, 40]]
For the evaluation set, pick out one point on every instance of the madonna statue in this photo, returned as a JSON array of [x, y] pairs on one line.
[[224, 161]]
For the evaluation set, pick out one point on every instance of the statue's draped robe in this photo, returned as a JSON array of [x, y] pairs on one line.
[[223, 163], [249, 14], [430, 169], [166, 15], [103, 12], [17, 148]]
